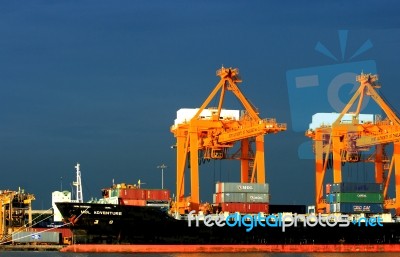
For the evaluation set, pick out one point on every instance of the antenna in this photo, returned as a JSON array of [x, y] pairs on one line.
[[78, 184]]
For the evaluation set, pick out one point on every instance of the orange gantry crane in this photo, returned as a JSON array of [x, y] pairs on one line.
[[13, 207], [208, 133], [347, 141]]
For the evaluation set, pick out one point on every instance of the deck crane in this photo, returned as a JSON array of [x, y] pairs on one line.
[[210, 137], [345, 141]]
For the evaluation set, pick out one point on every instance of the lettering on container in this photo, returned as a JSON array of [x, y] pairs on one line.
[[240, 187]]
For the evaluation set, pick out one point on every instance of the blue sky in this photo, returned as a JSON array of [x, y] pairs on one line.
[[99, 82]]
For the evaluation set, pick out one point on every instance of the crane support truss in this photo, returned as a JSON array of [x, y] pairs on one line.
[[211, 137], [344, 142]]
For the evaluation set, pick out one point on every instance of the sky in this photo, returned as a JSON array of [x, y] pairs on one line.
[[99, 83]]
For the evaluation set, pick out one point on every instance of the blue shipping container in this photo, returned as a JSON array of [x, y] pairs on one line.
[[359, 207], [330, 198], [356, 188]]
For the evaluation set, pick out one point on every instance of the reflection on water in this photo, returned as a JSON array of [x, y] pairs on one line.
[[57, 254], [352, 255], [279, 255]]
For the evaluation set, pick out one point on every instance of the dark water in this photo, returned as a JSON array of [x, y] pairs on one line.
[[57, 254]]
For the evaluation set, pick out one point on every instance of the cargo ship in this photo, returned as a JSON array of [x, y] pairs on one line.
[[130, 215]]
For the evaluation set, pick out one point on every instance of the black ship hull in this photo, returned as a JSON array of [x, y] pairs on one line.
[[119, 224]]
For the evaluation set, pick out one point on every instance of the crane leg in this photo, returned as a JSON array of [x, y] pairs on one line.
[[244, 162], [337, 160], [260, 160], [319, 176], [181, 154], [194, 171], [397, 176], [379, 164]]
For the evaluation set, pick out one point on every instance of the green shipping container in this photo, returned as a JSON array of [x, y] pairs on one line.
[[359, 198], [115, 192]]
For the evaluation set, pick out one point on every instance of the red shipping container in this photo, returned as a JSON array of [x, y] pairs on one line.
[[328, 208], [218, 187], [257, 207], [133, 202], [133, 193], [233, 207], [218, 198], [158, 194], [328, 188]]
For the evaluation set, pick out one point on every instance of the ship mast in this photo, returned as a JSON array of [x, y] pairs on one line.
[[78, 184]]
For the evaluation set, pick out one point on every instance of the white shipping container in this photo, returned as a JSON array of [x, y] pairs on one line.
[[225, 187], [34, 237], [257, 198], [113, 200], [231, 197], [184, 115], [326, 119]]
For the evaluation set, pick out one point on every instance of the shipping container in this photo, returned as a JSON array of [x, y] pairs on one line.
[[133, 202], [36, 237], [225, 187], [113, 200], [358, 198], [356, 188], [158, 194], [114, 192], [160, 203], [257, 207], [330, 198], [328, 188], [231, 198], [233, 207], [359, 207], [328, 208], [257, 198], [65, 232], [133, 193]]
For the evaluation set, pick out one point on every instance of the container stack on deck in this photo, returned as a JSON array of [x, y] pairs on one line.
[[242, 197], [354, 198], [131, 195]]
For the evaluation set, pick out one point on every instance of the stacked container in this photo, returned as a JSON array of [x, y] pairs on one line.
[[354, 197], [242, 197], [138, 196]]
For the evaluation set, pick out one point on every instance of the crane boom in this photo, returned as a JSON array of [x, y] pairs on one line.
[[263, 127], [378, 139]]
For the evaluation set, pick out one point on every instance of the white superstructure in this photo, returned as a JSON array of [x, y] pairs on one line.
[[57, 196]]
